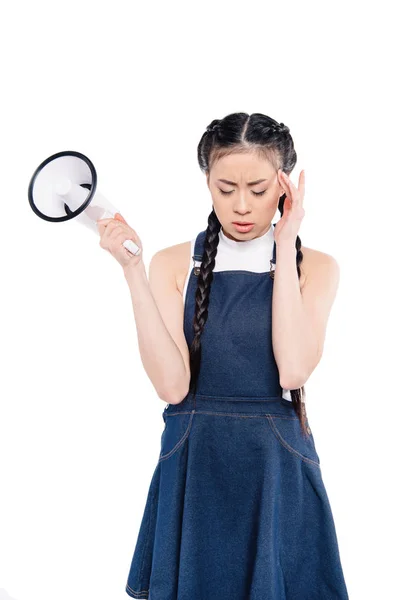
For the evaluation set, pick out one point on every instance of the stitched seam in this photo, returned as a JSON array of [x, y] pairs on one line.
[[178, 444], [243, 415], [137, 594], [264, 398], [286, 445], [242, 271], [267, 398]]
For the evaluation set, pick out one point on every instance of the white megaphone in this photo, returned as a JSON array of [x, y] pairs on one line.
[[63, 187]]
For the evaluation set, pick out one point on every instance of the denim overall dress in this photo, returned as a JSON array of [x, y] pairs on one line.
[[236, 508]]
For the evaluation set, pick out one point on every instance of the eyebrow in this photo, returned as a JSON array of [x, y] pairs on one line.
[[249, 183]]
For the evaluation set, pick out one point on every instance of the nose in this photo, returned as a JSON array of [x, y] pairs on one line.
[[242, 205]]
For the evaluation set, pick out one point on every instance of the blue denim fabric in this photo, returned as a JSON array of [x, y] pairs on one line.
[[237, 508]]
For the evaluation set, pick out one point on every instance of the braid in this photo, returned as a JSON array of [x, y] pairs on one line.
[[297, 395], [204, 281]]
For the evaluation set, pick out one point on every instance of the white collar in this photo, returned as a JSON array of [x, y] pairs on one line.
[[261, 241]]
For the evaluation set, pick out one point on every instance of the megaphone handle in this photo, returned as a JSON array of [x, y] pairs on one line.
[[128, 244], [132, 247]]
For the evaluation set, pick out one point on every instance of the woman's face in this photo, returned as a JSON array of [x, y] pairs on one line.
[[244, 189]]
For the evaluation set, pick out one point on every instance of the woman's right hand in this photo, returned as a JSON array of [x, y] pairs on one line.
[[113, 232]]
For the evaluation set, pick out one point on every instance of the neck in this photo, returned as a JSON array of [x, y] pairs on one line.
[[256, 242]]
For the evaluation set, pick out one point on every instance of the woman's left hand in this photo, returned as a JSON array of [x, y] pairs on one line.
[[287, 228]]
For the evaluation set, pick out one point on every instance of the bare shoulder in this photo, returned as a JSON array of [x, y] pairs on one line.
[[319, 269], [175, 259]]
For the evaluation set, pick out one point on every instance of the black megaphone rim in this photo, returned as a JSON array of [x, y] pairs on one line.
[[88, 199]]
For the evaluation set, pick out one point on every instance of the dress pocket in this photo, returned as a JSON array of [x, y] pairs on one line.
[[289, 433], [176, 430]]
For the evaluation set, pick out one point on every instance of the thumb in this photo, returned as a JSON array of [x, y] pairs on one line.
[[119, 217]]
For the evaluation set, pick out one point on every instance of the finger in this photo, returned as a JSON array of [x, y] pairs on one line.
[[119, 240], [106, 230], [111, 225], [302, 186], [284, 182], [120, 218], [102, 223], [130, 235], [112, 232], [101, 229], [294, 192], [286, 207]]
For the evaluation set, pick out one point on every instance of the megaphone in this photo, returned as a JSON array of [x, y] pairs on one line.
[[63, 187]]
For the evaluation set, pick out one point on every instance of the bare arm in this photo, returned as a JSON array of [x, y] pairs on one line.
[[158, 311], [300, 315]]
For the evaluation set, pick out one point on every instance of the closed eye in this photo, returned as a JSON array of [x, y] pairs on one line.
[[255, 193]]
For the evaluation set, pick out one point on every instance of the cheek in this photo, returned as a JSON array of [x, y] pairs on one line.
[[222, 206], [267, 202]]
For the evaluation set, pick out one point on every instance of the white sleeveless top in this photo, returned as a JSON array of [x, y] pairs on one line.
[[249, 255]]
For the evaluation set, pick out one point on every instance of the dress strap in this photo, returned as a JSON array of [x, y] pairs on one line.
[[199, 246], [198, 251]]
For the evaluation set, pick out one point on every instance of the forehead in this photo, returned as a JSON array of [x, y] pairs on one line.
[[248, 166]]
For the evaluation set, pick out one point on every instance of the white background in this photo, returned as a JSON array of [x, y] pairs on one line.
[[133, 86]]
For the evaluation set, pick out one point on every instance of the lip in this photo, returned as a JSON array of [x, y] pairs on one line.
[[243, 227]]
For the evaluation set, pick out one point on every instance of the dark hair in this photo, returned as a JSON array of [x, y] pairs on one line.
[[239, 132]]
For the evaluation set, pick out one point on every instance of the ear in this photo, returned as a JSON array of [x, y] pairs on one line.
[[281, 190]]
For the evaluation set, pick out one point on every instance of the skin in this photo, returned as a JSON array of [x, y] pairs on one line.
[[301, 307]]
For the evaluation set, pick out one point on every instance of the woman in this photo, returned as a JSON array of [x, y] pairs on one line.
[[237, 508]]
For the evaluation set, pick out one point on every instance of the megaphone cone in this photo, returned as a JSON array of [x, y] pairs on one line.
[[63, 187]]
